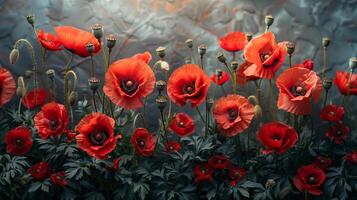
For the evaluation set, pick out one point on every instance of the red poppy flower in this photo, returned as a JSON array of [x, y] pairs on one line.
[[34, 98], [234, 41], [115, 165], [128, 82], [7, 86], [39, 171], [49, 41], [332, 113], [96, 135], [341, 81], [203, 172], [322, 162], [75, 40], [233, 114], [241, 77], [188, 83], [182, 124], [309, 178], [172, 146], [266, 55], [59, 179], [277, 137], [220, 80], [236, 174], [352, 157], [338, 133], [71, 135], [296, 88], [308, 64], [219, 162], [18, 141], [146, 57], [52, 120], [143, 142]]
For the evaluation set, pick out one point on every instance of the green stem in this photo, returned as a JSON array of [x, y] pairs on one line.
[[163, 125], [290, 61], [325, 62], [94, 101], [239, 150], [200, 114], [65, 81], [325, 99]]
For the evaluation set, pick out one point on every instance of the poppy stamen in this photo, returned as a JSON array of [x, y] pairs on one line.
[[98, 138], [299, 90], [129, 86], [233, 114]]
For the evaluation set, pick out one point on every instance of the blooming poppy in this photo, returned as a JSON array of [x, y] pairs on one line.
[[341, 81], [352, 157], [203, 172], [182, 124], [242, 78], [76, 40], [49, 41], [146, 57], [309, 178], [7, 86], [52, 120], [18, 141], [296, 88], [40, 170], [220, 80], [308, 64], [266, 55], [277, 137], [236, 174], [96, 135], [143, 142], [332, 113], [233, 114], [188, 83], [59, 179], [128, 82], [219, 162], [234, 41], [35, 97], [172, 146], [338, 133], [322, 162]]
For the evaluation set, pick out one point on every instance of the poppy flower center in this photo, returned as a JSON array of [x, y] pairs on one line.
[[98, 138], [299, 90], [219, 161], [264, 56], [203, 171], [52, 125], [232, 114], [181, 124], [19, 142], [236, 175], [189, 88], [276, 137], [129, 86], [311, 180], [338, 133], [141, 143], [332, 113]]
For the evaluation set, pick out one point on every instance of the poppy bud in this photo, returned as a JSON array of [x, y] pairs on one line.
[[188, 60], [72, 98], [30, 19], [93, 83], [160, 51], [160, 85], [111, 40], [325, 41], [90, 48], [97, 30], [50, 73], [161, 102], [219, 73], [258, 113], [189, 43], [269, 20], [28, 74], [221, 57], [249, 36], [234, 65], [202, 49], [209, 103], [327, 83], [353, 63], [14, 56], [290, 47], [270, 183], [20, 90]]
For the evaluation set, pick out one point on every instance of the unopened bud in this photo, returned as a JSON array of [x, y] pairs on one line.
[[14, 56], [221, 57]]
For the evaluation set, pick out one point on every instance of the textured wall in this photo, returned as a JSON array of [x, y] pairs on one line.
[[146, 24]]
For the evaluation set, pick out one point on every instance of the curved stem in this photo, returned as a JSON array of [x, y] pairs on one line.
[[163, 125], [65, 82]]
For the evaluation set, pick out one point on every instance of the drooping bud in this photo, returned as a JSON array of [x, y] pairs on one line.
[[221, 57], [93, 83], [28, 74], [325, 42], [202, 49], [111, 40], [290, 47], [31, 19], [160, 85], [161, 52], [327, 83], [269, 20], [189, 43], [249, 36], [51, 74], [353, 63], [90, 48], [72, 98], [258, 113], [97, 30], [20, 90], [234, 65], [161, 102], [14, 56]]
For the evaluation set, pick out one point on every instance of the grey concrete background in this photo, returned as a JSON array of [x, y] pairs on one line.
[[146, 24]]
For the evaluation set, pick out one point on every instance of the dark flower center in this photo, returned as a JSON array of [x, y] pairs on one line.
[[338, 133], [19, 142], [276, 137], [298, 90], [171, 148], [52, 125], [181, 124], [232, 114], [332, 113], [236, 174], [129, 86], [141, 143], [189, 88], [264, 56], [98, 138], [203, 171], [311, 180]]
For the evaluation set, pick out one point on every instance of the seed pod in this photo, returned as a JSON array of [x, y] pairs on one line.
[[90, 48], [97, 30], [14, 56], [221, 57], [189, 43], [270, 183], [160, 85], [325, 42], [202, 49], [51, 74], [161, 52], [290, 47], [327, 83], [353, 63], [93, 83], [269, 20], [111, 40], [210, 103], [234, 65], [161, 102], [31, 19], [249, 36]]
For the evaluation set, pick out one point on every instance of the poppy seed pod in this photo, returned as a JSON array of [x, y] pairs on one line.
[[290, 47], [270, 183], [353, 63], [189, 43], [221, 57], [14, 56], [51, 74], [327, 83], [97, 30], [93, 83], [325, 42], [161, 52], [202, 49], [269, 20], [31, 19], [111, 40], [234, 65], [249, 36], [90, 48], [160, 85], [161, 102], [28, 74]]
